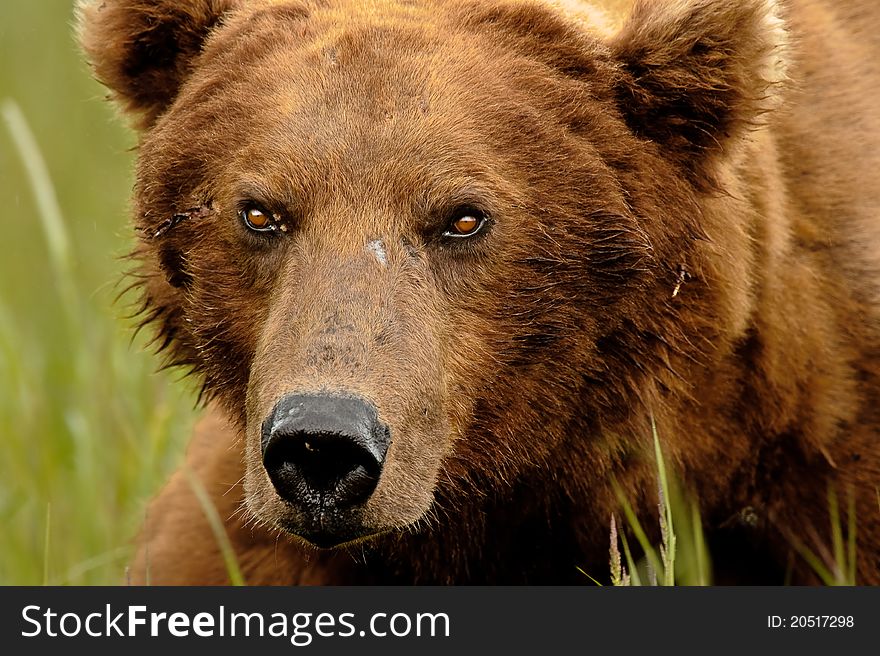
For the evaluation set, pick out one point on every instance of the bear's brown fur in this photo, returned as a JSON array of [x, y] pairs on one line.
[[682, 223]]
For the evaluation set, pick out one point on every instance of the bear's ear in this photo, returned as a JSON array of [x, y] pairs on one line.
[[143, 50], [696, 74]]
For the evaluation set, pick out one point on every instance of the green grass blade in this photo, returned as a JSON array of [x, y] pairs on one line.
[[44, 192], [639, 532], [581, 570], [46, 544], [703, 574], [825, 574], [80, 569], [635, 579], [148, 572], [668, 529], [840, 567], [232, 568], [49, 210], [851, 541]]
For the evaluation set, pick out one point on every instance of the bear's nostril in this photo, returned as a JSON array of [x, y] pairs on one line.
[[324, 450], [324, 463]]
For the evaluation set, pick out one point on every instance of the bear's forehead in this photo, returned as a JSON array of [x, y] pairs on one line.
[[376, 65], [377, 61], [395, 42], [379, 28], [350, 93], [311, 78]]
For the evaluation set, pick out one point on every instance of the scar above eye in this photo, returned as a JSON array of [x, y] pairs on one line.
[[377, 248], [169, 224]]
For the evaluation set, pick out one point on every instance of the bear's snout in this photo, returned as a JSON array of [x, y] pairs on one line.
[[324, 453]]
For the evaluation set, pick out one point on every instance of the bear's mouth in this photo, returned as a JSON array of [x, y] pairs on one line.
[[327, 529]]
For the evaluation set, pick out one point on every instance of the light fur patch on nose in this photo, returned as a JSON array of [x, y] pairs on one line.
[[377, 248]]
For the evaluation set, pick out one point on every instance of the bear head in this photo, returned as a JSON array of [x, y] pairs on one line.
[[421, 250]]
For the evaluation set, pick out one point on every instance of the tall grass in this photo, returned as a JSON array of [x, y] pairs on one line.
[[835, 566], [684, 558], [88, 431], [681, 558]]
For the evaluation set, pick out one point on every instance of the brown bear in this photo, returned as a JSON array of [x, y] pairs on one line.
[[441, 264]]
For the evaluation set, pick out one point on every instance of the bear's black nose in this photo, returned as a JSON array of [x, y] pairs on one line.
[[323, 451]]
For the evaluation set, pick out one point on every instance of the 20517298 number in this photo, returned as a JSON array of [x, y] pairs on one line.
[[821, 621]]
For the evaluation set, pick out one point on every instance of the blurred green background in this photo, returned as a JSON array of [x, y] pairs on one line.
[[88, 429]]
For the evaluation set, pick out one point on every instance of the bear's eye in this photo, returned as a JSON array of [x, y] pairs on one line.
[[257, 220], [465, 223]]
